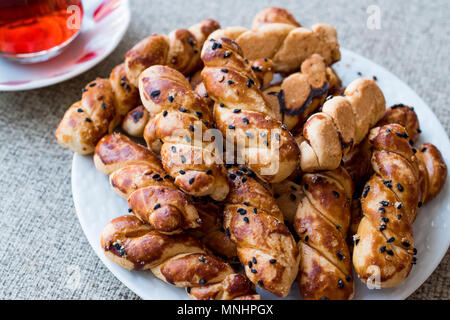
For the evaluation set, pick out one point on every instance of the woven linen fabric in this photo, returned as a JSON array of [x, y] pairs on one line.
[[44, 253]]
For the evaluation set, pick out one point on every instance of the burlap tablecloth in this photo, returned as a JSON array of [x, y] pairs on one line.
[[44, 253]]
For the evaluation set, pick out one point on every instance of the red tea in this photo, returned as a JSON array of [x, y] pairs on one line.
[[29, 26]]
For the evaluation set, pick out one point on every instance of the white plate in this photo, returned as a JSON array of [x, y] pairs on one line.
[[96, 203], [104, 24]]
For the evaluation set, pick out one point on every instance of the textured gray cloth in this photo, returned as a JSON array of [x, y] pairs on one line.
[[42, 245]]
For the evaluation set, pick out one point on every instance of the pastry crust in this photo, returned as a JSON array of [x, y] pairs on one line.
[[179, 260], [243, 116], [265, 245], [137, 175], [180, 119]]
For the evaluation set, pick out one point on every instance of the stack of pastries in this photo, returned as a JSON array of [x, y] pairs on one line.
[[282, 175]]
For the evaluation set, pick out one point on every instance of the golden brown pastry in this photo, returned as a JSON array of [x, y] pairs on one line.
[[134, 122], [343, 123], [322, 221], [384, 244], [433, 170], [179, 50], [180, 260], [301, 93], [276, 35], [105, 102], [211, 231], [405, 116], [243, 116], [265, 245], [177, 127], [137, 175]]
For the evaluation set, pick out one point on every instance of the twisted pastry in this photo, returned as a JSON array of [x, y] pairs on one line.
[[243, 116], [277, 36], [211, 231], [405, 116], [105, 102], [384, 242], [179, 119], [343, 123], [180, 50], [137, 175], [265, 245], [322, 221], [180, 260], [301, 93]]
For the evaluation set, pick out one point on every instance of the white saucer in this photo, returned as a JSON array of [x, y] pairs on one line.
[[104, 24], [96, 203]]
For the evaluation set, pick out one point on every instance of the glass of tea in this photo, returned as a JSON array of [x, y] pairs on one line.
[[37, 30]]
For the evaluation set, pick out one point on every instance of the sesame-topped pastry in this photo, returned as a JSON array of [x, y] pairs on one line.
[[242, 114], [136, 174], [105, 102], [180, 260], [276, 35], [405, 116], [264, 243], [177, 129]]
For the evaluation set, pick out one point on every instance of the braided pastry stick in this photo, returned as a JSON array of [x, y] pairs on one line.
[[243, 116], [179, 50], [301, 93], [106, 101], [322, 221], [277, 36], [265, 245], [384, 242], [178, 113], [180, 260], [137, 175], [343, 123]]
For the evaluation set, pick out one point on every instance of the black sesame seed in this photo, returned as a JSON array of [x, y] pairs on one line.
[[340, 284], [155, 93], [414, 251], [420, 204], [338, 227], [384, 219], [255, 211], [201, 259], [191, 180], [384, 203], [214, 46], [272, 261], [182, 172], [390, 252], [406, 244], [227, 54], [241, 211], [80, 110], [103, 106], [399, 187], [88, 120], [260, 283], [306, 238], [191, 127], [155, 176], [336, 194], [227, 231], [366, 191], [222, 105], [340, 256], [209, 171], [232, 176], [250, 82], [174, 149], [165, 113], [402, 135], [232, 127], [237, 110], [188, 289], [244, 179], [84, 90], [230, 82], [245, 120], [391, 239], [183, 159], [254, 260], [130, 210], [253, 271], [171, 98], [183, 110], [382, 249], [157, 206], [382, 227], [250, 264], [284, 127], [399, 205], [399, 217], [276, 195], [246, 203], [246, 219], [202, 281], [382, 210]]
